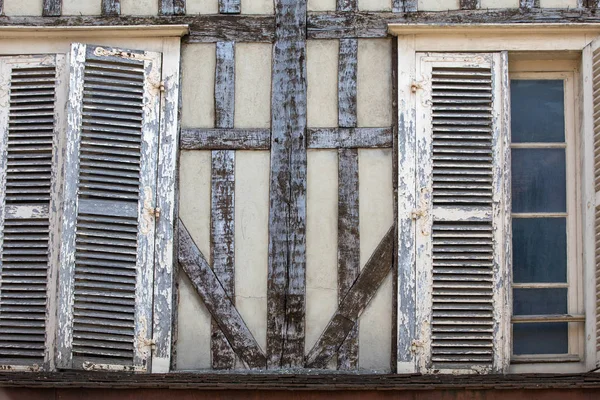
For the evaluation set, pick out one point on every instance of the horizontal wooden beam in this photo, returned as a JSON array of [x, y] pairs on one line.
[[354, 303], [203, 28], [349, 138], [225, 139], [215, 298], [335, 25]]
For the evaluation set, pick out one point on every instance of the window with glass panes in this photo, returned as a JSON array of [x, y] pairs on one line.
[[548, 318]]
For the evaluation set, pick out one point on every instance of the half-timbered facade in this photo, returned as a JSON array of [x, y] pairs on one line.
[[205, 192]]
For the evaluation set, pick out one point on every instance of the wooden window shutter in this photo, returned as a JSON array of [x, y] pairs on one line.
[[459, 263], [591, 196], [106, 270], [30, 122]]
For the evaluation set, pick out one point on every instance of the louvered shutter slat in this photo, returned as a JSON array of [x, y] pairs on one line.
[[457, 258], [28, 192], [115, 98], [595, 73]]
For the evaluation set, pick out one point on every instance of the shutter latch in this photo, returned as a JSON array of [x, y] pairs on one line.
[[417, 213], [414, 347], [156, 212], [415, 86]]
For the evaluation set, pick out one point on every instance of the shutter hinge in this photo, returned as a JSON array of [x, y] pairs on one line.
[[415, 345], [156, 212], [417, 213], [415, 86]]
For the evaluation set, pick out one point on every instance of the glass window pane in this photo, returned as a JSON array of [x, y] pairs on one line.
[[539, 250], [539, 180], [539, 301], [544, 338], [537, 110]]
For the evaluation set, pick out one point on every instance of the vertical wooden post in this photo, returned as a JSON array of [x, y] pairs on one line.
[[229, 6], [287, 213], [111, 7], [171, 7], [347, 5], [470, 4], [223, 198], [52, 8], [348, 219], [529, 4], [404, 5], [591, 4]]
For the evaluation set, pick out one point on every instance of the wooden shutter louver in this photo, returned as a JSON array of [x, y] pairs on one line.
[[459, 180], [114, 102], [28, 169], [596, 126]]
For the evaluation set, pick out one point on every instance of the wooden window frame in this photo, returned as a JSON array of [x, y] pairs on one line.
[[24, 41], [568, 40]]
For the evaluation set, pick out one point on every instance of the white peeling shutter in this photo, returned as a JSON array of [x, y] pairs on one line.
[[105, 318], [591, 189], [459, 184], [29, 126]]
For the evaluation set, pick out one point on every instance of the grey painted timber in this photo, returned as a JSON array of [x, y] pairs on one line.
[[354, 303], [347, 5], [111, 8], [225, 139], [287, 212], [171, 7], [217, 301], [223, 198], [470, 4], [229, 6], [529, 4], [399, 6], [52, 8], [347, 72], [339, 138]]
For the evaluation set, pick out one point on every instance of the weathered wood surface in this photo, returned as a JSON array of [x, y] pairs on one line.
[[52, 8], [591, 4], [399, 6], [1, 7], [287, 211], [222, 224], [346, 5], [339, 138], [335, 25], [223, 198], [171, 7], [529, 4], [225, 139], [348, 221], [203, 28], [348, 246], [111, 8], [394, 107], [470, 4], [354, 303], [217, 301], [229, 6], [225, 85], [347, 73]]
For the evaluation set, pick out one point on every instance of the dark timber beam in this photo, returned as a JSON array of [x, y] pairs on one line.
[[348, 220], [335, 25], [229, 6], [349, 138], [217, 301], [591, 4], [287, 211], [399, 6], [354, 303], [470, 4], [203, 28], [529, 4], [171, 7], [222, 221], [52, 8], [225, 139], [111, 8]]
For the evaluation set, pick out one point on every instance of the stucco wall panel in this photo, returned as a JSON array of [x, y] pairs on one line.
[[79, 7], [374, 83], [252, 85], [202, 6], [252, 239], [139, 7], [193, 344], [322, 71], [438, 5], [321, 5], [558, 3], [499, 4], [257, 6], [321, 242], [23, 7], [375, 5], [198, 86], [376, 217]]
